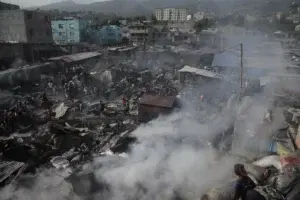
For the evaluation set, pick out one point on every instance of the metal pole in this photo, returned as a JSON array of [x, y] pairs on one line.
[[242, 67]]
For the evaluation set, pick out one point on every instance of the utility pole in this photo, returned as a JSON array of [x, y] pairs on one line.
[[242, 67]]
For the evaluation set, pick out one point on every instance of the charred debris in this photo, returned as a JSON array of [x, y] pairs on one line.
[[65, 112]]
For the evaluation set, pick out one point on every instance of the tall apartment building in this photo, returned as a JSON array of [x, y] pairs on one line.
[[68, 30], [171, 14], [22, 26]]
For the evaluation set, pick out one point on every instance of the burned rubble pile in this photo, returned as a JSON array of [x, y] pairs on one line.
[[66, 119], [269, 150]]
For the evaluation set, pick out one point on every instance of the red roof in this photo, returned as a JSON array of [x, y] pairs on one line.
[[158, 101]]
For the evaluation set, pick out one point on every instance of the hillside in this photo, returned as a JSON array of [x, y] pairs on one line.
[[146, 7], [129, 7]]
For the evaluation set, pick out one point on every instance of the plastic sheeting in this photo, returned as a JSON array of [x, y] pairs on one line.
[[61, 110], [269, 161]]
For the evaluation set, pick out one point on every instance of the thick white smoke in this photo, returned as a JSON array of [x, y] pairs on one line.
[[171, 159]]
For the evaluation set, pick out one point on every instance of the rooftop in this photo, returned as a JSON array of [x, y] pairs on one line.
[[197, 71], [158, 101], [203, 72], [76, 57]]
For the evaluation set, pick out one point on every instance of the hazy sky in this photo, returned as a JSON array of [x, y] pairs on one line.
[[28, 3]]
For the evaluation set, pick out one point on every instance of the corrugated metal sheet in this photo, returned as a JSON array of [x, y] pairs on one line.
[[8, 168], [76, 57], [197, 71], [80, 56], [159, 101], [206, 73], [122, 49]]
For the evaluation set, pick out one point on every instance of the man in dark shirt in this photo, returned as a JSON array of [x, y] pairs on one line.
[[244, 188]]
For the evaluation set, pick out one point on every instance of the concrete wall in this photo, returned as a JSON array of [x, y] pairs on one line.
[[12, 26], [38, 27], [25, 26]]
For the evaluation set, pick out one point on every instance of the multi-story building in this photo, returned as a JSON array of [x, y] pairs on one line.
[[159, 14], [142, 34], [24, 34], [68, 30], [171, 14], [182, 14], [138, 33], [7, 6], [110, 35], [21, 26], [203, 15]]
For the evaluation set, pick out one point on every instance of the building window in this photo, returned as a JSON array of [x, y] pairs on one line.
[[29, 15], [46, 18], [60, 26], [48, 32], [71, 26], [31, 32], [60, 33], [72, 34]]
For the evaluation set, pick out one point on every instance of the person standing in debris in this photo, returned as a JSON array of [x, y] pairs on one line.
[[51, 87], [244, 188], [44, 100], [95, 90], [102, 108], [124, 101], [66, 89], [85, 90], [125, 105], [50, 84]]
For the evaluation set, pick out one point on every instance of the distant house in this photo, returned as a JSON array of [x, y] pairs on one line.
[[69, 30], [110, 35]]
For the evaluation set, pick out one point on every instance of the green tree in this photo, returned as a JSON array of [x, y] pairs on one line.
[[199, 26], [153, 19], [293, 8], [203, 24]]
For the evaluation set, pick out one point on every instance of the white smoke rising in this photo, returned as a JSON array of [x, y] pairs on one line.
[[172, 158]]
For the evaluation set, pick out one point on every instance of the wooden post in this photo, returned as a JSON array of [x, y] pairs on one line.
[[242, 67]]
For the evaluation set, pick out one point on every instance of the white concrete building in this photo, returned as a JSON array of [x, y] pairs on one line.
[[171, 14], [201, 15], [159, 14]]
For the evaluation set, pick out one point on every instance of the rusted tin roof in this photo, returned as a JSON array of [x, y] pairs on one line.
[[158, 101], [76, 57]]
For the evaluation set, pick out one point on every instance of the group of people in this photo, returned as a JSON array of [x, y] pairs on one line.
[[72, 82], [15, 116]]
